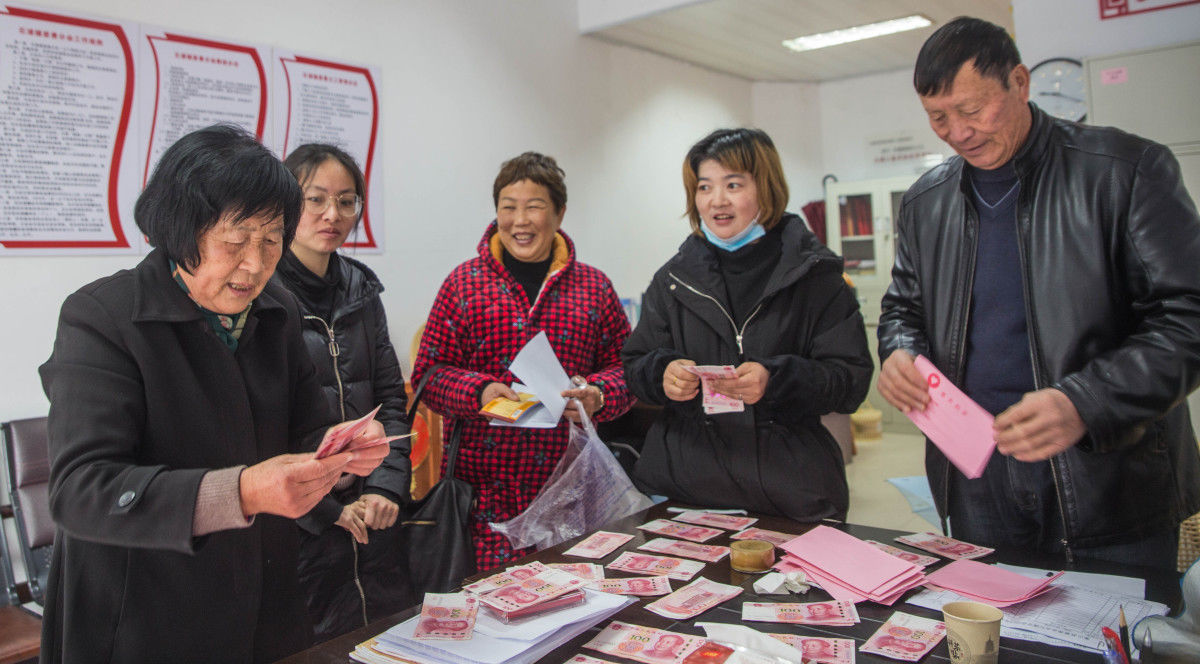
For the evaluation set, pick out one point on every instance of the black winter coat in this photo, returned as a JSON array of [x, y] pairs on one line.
[[144, 399], [806, 329], [1108, 240], [347, 583]]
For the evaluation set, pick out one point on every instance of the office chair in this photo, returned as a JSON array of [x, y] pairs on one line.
[[20, 630], [28, 460]]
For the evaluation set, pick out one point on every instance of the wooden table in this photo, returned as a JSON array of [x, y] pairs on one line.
[[1161, 586]]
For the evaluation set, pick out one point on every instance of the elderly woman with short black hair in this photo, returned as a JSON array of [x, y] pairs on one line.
[[182, 402], [524, 280]]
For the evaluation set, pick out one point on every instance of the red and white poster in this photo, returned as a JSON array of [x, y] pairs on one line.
[[68, 122], [191, 82], [88, 106], [322, 101], [1122, 8]]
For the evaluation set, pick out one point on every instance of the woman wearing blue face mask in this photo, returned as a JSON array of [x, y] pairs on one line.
[[751, 288]]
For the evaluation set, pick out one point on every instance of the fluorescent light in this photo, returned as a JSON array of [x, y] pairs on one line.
[[857, 33]]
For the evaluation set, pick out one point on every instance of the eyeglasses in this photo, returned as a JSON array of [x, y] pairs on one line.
[[348, 205]]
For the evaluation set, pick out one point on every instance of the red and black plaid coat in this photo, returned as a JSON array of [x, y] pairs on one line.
[[480, 321]]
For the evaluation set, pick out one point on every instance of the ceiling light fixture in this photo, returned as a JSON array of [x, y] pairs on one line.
[[857, 33]]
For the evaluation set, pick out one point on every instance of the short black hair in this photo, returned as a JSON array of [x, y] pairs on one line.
[[538, 169], [960, 41], [205, 175], [306, 159]]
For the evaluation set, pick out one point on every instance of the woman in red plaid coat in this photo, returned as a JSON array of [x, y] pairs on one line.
[[525, 280]]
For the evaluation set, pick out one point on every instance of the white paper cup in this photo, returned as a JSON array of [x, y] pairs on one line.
[[972, 632]]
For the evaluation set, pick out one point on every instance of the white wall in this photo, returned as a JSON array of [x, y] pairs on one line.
[[791, 114], [1073, 29], [465, 85]]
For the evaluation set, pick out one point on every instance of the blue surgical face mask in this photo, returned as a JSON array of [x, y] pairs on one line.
[[749, 234]]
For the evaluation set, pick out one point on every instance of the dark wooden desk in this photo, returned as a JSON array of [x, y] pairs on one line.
[[1161, 586]]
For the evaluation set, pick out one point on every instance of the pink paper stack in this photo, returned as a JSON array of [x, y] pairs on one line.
[[849, 568], [988, 584]]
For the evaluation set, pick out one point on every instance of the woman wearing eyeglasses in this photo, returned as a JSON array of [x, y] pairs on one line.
[[351, 562]]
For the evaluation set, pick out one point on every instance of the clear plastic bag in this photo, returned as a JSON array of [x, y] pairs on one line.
[[587, 489]]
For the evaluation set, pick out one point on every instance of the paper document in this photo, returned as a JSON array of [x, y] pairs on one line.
[[539, 369], [960, 428], [1065, 615]]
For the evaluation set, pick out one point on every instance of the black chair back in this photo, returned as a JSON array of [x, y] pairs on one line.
[[26, 447]]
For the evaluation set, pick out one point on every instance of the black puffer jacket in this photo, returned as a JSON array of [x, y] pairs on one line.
[[806, 329], [345, 581], [1108, 240]]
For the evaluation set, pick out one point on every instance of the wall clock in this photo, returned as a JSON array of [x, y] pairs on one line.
[[1057, 87]]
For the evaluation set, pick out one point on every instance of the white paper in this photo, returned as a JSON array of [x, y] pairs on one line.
[[752, 639], [485, 648], [538, 627], [1106, 583], [538, 368], [1070, 615], [771, 583]]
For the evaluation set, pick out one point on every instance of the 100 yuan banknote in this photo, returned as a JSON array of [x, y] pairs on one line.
[[905, 636], [907, 556], [533, 590], [820, 649], [642, 586], [716, 520], [446, 617], [709, 553], [644, 644], [644, 563], [693, 599], [507, 577], [598, 544], [833, 612], [773, 536], [585, 571], [680, 530], [944, 546]]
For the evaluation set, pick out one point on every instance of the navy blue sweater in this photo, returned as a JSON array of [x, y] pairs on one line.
[[999, 368]]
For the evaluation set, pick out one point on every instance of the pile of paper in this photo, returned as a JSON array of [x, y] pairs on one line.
[[848, 568], [494, 642], [989, 584], [1070, 613]]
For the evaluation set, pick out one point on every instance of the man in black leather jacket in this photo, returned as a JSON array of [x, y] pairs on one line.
[[1049, 270]]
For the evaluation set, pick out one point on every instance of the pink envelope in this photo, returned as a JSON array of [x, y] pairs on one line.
[[850, 560], [989, 584], [960, 428]]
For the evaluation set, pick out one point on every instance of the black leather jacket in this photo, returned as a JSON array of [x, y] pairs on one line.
[[1108, 240]]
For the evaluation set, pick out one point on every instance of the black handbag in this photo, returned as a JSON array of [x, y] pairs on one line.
[[436, 534]]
